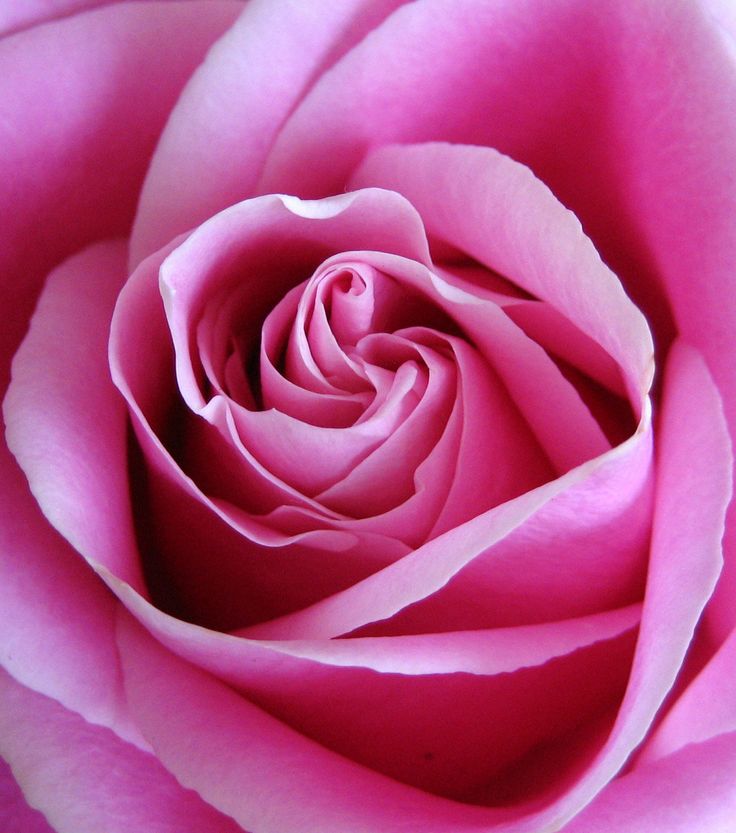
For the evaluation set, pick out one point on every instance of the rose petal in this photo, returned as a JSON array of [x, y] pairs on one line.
[[706, 708], [283, 238], [496, 211], [693, 491], [58, 616], [510, 691], [15, 814], [58, 619], [550, 404], [84, 779], [505, 76], [66, 422], [688, 792], [244, 660], [258, 72], [569, 90], [426, 570], [65, 141]]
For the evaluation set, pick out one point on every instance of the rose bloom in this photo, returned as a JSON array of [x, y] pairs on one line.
[[369, 380]]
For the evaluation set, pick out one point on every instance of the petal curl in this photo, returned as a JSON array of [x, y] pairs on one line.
[[84, 779], [226, 119], [691, 791]]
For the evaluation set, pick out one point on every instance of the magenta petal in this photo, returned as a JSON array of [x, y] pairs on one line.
[[232, 108], [86, 780], [691, 791], [265, 775], [66, 422], [510, 689], [16, 816]]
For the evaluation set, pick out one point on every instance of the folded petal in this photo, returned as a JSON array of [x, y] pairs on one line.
[[423, 574], [84, 779], [494, 210], [693, 491], [445, 713], [569, 90], [58, 619], [227, 118], [16, 816], [690, 791], [265, 775], [66, 421], [707, 707]]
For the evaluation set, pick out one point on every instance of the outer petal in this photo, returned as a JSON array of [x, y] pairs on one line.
[[57, 617], [386, 702], [15, 16], [706, 708], [67, 426], [85, 780], [692, 791], [226, 120], [66, 421], [266, 776], [83, 101], [58, 620], [16, 816], [693, 490]]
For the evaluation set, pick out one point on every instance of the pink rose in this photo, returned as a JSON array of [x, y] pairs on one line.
[[368, 455]]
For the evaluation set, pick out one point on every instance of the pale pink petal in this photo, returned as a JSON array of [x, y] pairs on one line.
[[691, 791], [88, 97], [724, 12], [16, 816], [323, 408], [590, 488], [281, 238], [66, 422], [389, 474], [693, 490], [58, 620], [86, 780], [706, 708], [549, 403], [494, 210], [226, 119], [56, 637]]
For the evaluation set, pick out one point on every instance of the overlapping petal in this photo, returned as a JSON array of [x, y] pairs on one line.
[[84, 779]]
